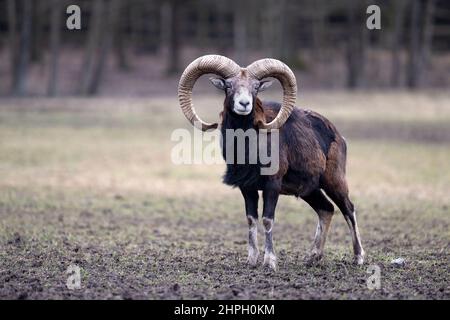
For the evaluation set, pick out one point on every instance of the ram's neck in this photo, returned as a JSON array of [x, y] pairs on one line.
[[234, 121]]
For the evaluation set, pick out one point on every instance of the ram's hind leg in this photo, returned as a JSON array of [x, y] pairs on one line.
[[324, 209], [338, 192], [251, 210]]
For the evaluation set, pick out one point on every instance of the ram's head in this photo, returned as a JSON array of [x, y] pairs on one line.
[[241, 85]]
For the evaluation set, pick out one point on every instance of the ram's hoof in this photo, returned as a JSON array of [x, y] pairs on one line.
[[252, 258], [270, 260], [359, 259]]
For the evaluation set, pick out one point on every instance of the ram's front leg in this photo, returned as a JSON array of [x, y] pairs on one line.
[[270, 197], [251, 210]]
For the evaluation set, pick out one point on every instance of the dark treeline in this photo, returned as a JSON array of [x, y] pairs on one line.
[[34, 33]]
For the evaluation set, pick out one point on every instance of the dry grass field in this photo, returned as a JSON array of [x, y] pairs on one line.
[[90, 182]]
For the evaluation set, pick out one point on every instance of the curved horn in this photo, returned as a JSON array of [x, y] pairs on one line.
[[274, 68], [216, 64]]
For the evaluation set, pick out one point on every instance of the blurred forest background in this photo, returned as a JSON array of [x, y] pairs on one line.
[[87, 176], [139, 47]]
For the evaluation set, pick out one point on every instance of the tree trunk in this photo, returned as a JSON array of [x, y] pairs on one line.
[[12, 34], [174, 38], [414, 45], [318, 26], [120, 43], [134, 16], [272, 29], [420, 41], [399, 17], [356, 46], [202, 24], [225, 39], [55, 39], [36, 42], [164, 19], [23, 53], [94, 37], [106, 44], [427, 41], [253, 32], [240, 32], [288, 45]]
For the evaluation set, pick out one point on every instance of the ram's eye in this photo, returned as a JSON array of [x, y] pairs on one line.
[[227, 85]]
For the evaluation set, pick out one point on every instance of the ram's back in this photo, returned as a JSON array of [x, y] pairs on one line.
[[310, 141]]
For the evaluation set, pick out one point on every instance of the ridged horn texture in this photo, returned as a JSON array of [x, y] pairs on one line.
[[274, 68], [219, 65]]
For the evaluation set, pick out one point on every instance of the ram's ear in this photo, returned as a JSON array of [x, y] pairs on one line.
[[263, 85], [259, 117], [219, 83]]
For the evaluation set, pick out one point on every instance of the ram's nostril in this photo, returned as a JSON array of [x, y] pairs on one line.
[[244, 103]]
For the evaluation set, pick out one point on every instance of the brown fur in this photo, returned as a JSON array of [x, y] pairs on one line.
[[312, 158]]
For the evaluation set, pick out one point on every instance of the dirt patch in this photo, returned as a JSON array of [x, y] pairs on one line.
[[143, 250]]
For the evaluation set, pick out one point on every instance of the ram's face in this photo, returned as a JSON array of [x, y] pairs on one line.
[[240, 92]]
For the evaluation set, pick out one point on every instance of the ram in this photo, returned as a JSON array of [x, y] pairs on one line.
[[311, 157]]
